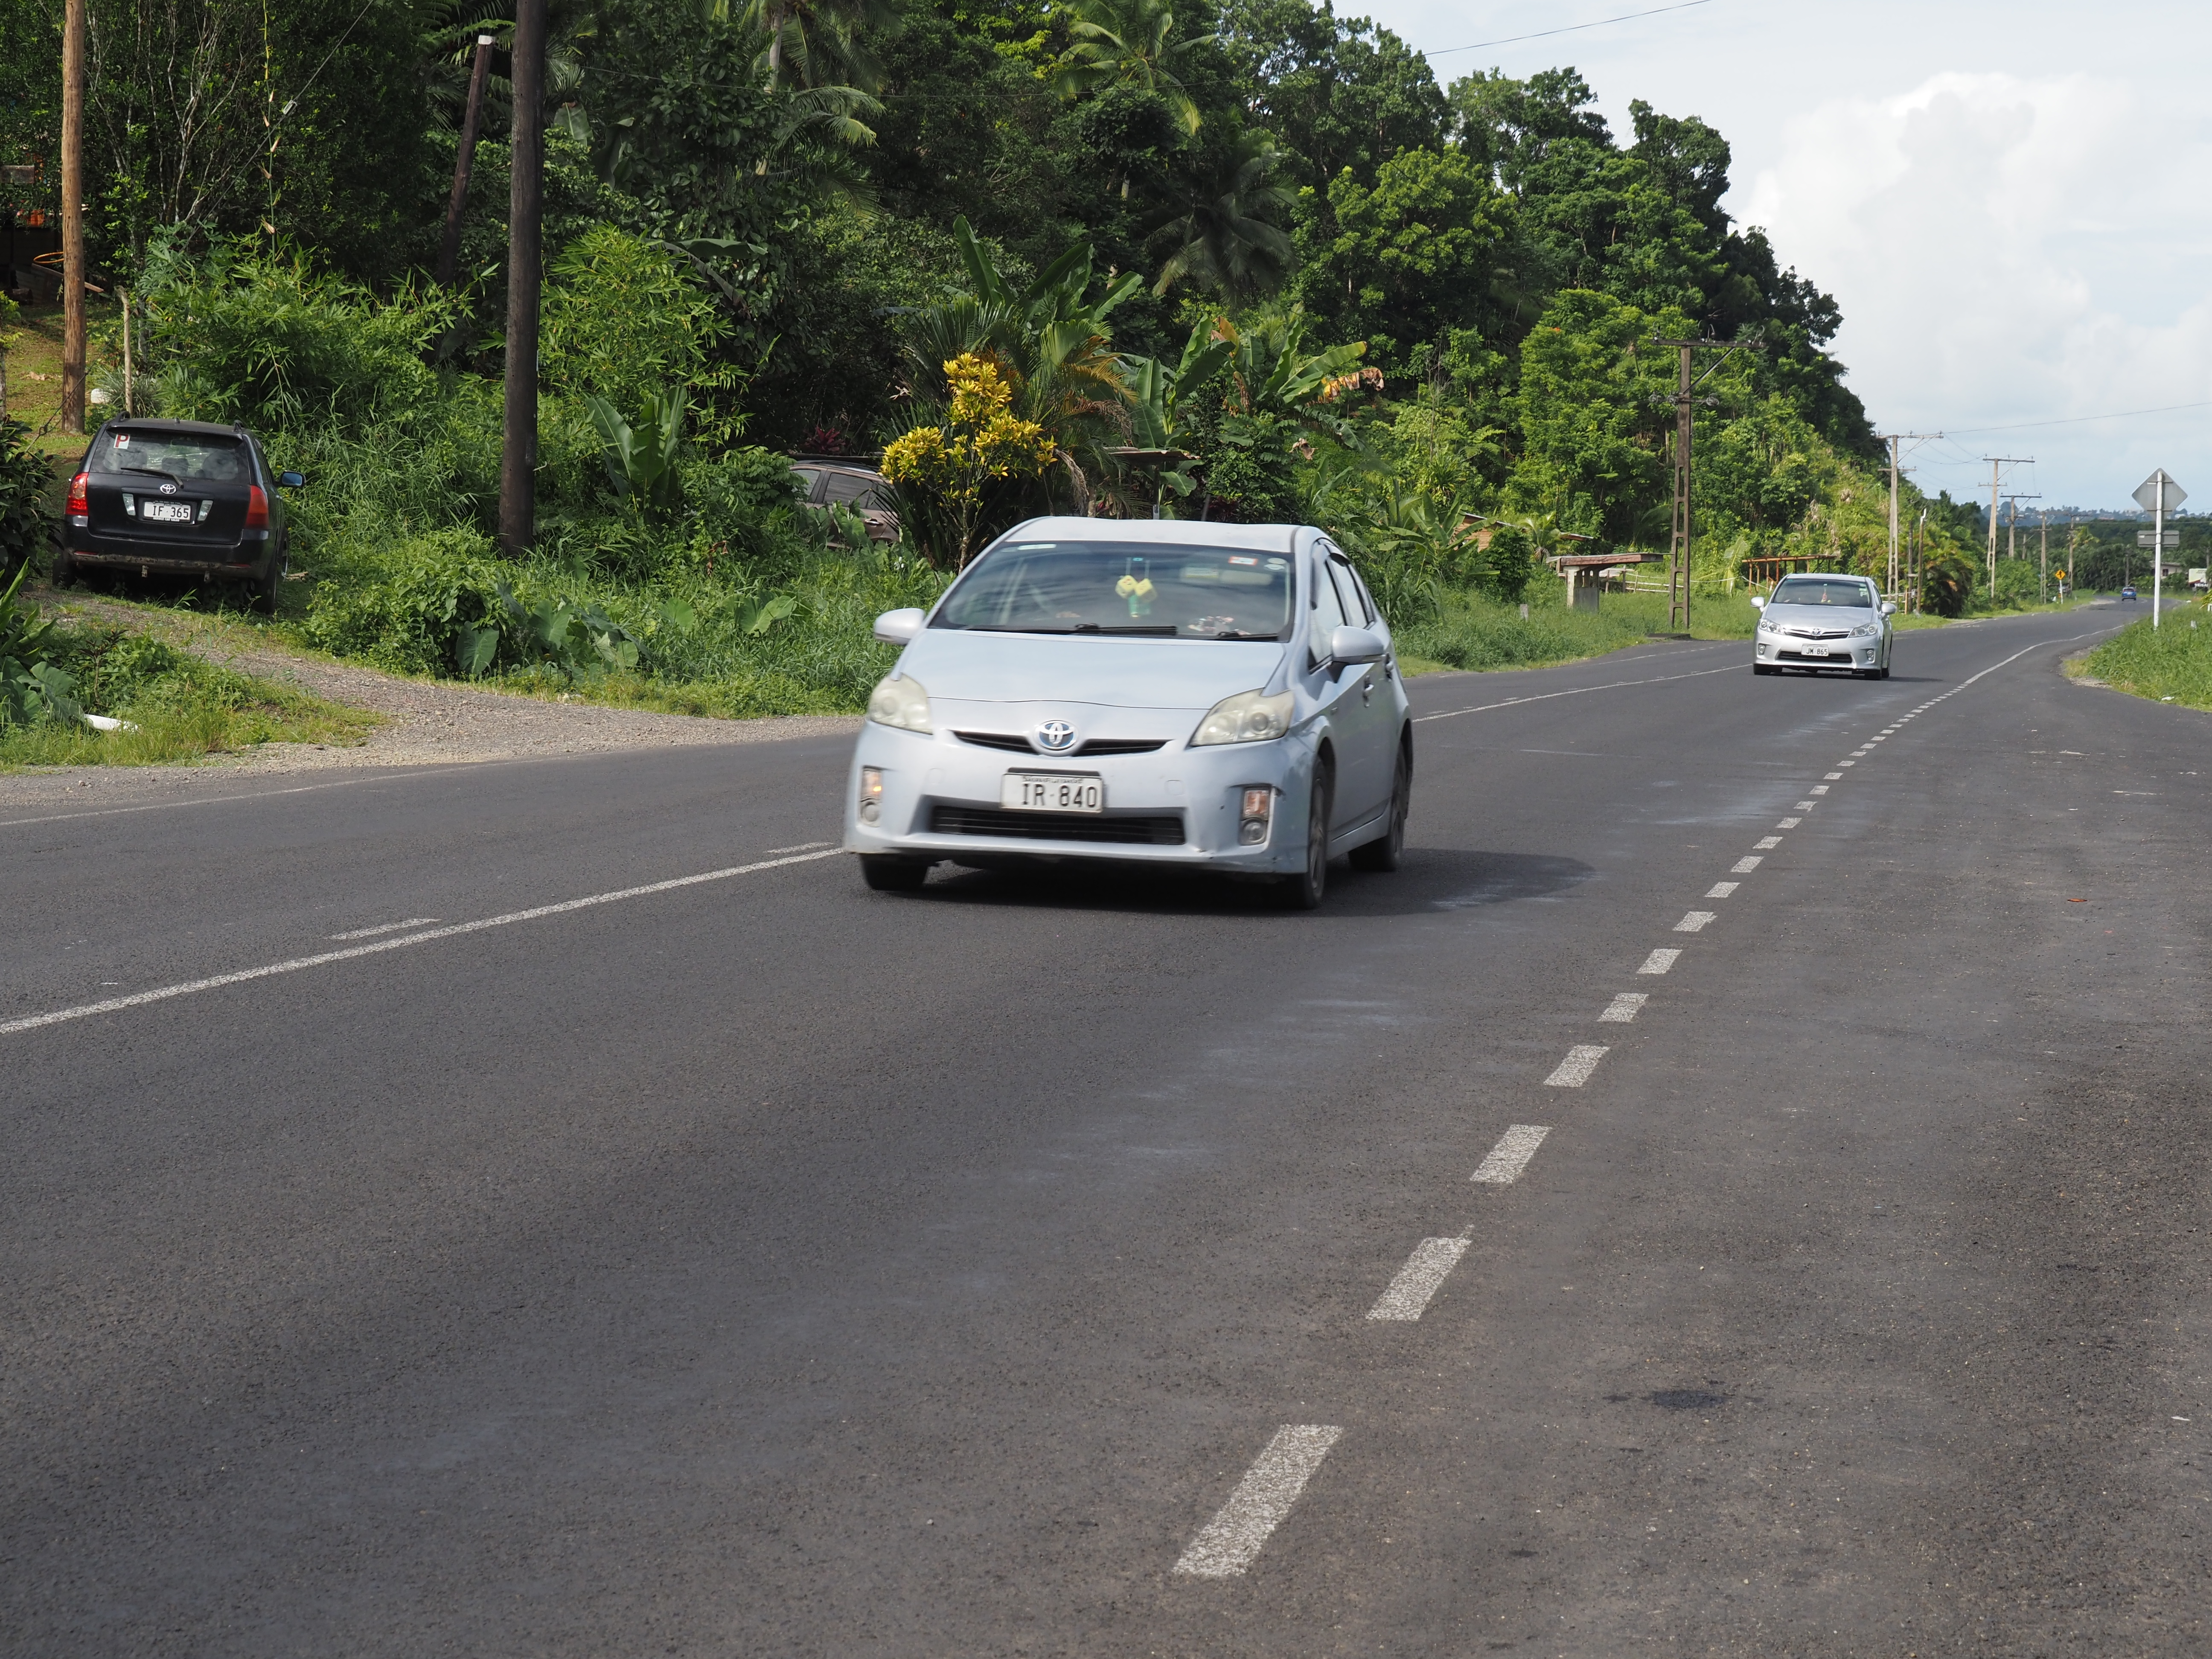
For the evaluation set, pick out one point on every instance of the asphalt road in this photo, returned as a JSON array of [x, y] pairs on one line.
[[761, 1266]]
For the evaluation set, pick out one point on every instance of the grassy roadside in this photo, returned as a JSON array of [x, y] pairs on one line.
[[176, 707], [2173, 663]]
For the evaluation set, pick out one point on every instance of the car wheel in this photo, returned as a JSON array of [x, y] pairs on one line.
[[1387, 850], [887, 874], [1306, 890], [62, 571], [264, 592]]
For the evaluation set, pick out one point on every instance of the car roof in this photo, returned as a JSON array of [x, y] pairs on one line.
[[1167, 532], [134, 423]]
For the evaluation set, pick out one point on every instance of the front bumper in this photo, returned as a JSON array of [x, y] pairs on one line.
[[1176, 805], [1787, 653]]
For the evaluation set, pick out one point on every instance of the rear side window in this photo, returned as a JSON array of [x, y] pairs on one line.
[[845, 487], [180, 455]]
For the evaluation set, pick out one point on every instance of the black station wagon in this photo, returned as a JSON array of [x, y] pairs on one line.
[[180, 498]]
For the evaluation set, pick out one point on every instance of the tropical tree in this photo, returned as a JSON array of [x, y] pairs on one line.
[[1220, 231], [1126, 43], [978, 440], [824, 40]]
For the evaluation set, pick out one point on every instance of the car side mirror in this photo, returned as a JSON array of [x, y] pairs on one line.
[[899, 627], [1888, 608], [290, 481], [1758, 603], [1350, 647]]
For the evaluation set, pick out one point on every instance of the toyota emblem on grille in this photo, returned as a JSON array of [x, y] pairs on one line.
[[1056, 735], [169, 489]]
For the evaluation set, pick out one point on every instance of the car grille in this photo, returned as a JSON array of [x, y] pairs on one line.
[[1819, 633], [1020, 745], [1164, 829]]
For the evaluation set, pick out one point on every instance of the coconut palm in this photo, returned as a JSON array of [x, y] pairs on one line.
[[1221, 234], [1128, 43]]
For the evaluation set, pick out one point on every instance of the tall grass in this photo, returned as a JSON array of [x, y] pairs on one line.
[[2173, 663], [1473, 632]]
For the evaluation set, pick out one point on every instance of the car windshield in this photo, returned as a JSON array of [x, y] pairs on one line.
[[177, 455], [1813, 590], [1105, 588]]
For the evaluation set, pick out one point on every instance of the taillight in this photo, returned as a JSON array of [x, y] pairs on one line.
[[80, 503], [257, 509]]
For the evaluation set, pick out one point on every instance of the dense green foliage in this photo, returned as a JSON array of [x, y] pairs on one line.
[[1240, 259]]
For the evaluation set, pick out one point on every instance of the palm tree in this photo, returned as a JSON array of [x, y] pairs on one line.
[[1124, 43], [829, 36], [1220, 234]]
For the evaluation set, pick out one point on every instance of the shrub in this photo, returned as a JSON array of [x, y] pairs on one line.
[[27, 528]]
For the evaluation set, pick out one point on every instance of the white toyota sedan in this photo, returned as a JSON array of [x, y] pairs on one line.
[[1814, 623], [1144, 692]]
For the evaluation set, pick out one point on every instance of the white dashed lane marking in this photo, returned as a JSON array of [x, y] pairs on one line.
[[1767, 843], [1575, 1070], [1236, 1536], [1658, 962], [1722, 888], [1624, 1007], [1422, 1276], [1789, 824], [1832, 777], [1818, 789], [1746, 865], [1695, 921], [1510, 1156]]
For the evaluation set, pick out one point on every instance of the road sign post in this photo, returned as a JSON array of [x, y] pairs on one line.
[[2158, 492]]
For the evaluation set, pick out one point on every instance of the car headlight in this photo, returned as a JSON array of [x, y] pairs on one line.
[[1248, 717], [1866, 630], [1770, 627], [900, 701]]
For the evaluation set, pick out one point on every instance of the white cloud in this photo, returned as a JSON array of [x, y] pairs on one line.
[[2007, 250]]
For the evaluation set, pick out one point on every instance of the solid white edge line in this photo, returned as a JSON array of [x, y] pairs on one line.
[[1423, 1275], [1575, 1070], [1624, 1007], [1580, 691], [379, 775], [217, 982], [1239, 1530], [1510, 1156], [1659, 961]]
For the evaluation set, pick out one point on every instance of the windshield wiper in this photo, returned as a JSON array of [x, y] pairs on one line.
[[154, 472], [1010, 628], [1164, 630], [1239, 634]]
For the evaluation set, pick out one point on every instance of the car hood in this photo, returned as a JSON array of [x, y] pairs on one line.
[[1823, 617], [957, 666]]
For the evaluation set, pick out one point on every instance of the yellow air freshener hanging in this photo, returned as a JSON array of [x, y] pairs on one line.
[[1138, 590]]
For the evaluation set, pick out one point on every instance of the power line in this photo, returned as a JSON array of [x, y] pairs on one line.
[[2077, 420], [1544, 34]]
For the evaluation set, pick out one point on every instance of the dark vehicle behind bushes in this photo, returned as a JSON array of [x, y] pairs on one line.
[[179, 497]]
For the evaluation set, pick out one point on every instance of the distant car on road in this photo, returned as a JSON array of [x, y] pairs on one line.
[[1819, 623], [2127, 593], [831, 483], [181, 497], [1217, 697]]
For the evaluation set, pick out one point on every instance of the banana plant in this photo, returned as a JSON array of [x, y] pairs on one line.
[[641, 462], [1157, 391]]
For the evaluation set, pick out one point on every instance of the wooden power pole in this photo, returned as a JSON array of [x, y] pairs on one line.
[[1893, 439], [449, 250], [1996, 484], [73, 216], [518, 462], [1678, 543]]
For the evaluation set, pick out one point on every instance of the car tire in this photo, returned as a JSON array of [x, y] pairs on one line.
[[1306, 890], [1387, 850], [263, 593], [62, 572], [887, 874]]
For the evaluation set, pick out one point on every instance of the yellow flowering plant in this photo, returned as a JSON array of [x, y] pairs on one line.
[[980, 440]]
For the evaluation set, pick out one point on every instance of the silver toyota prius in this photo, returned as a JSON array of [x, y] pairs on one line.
[[1148, 691], [1824, 622]]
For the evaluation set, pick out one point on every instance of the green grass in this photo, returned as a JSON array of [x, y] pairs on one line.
[[2173, 663], [1473, 632], [181, 708]]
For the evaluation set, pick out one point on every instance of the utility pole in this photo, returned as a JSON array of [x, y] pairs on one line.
[[1920, 563], [2042, 577], [1893, 439], [449, 250], [1678, 544], [1997, 461], [517, 460], [73, 216]]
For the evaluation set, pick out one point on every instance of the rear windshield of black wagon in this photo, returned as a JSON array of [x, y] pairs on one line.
[[184, 456]]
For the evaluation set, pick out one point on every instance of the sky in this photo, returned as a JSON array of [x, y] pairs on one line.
[[2009, 202]]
